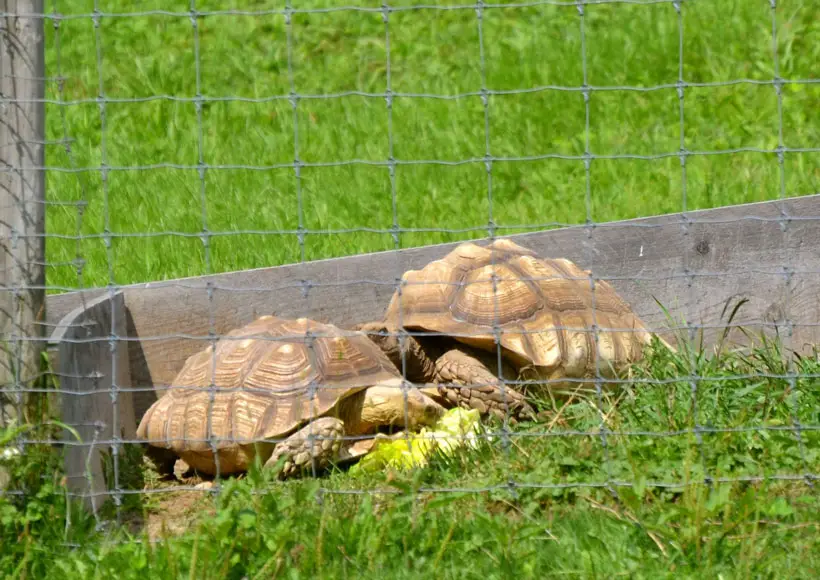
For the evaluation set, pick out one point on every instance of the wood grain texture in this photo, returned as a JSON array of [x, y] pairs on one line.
[[22, 207], [90, 368], [768, 253]]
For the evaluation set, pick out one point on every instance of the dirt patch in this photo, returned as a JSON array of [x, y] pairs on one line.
[[174, 499], [176, 512]]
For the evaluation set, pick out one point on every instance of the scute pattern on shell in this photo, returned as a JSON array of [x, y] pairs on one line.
[[265, 374], [542, 307]]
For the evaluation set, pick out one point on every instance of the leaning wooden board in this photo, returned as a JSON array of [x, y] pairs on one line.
[[95, 400], [768, 253]]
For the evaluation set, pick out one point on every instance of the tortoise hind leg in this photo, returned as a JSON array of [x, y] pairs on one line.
[[481, 390], [319, 440]]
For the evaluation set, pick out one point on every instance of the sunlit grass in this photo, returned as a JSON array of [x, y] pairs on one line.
[[157, 215]]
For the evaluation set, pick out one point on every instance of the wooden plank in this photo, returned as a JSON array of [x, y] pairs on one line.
[[22, 197], [692, 266], [93, 367]]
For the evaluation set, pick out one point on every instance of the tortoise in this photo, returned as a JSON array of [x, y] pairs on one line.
[[544, 314], [274, 384]]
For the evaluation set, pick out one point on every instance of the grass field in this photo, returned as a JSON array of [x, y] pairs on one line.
[[431, 52], [558, 519], [555, 502]]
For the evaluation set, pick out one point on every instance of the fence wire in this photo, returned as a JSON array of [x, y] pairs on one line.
[[200, 306]]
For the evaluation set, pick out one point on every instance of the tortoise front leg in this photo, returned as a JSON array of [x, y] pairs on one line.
[[323, 448], [482, 389], [435, 361]]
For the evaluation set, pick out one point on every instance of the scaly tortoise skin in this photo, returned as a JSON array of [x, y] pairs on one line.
[[270, 370], [544, 313]]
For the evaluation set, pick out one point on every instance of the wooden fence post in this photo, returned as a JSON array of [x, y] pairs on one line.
[[22, 203]]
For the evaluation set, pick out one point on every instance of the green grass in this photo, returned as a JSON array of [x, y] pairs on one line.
[[258, 528], [431, 52], [555, 502]]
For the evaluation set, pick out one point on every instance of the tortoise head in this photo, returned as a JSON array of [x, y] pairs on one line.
[[385, 337], [388, 404], [381, 333]]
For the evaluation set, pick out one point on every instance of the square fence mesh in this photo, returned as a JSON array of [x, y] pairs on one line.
[[184, 141]]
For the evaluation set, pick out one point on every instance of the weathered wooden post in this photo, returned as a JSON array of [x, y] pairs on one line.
[[22, 204]]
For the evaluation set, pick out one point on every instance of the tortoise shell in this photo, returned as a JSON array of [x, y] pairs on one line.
[[270, 380], [542, 308]]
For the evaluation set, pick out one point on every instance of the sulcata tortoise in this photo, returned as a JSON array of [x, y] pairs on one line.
[[543, 310], [273, 384]]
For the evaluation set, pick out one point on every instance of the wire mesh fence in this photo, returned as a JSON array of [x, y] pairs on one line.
[[191, 139]]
